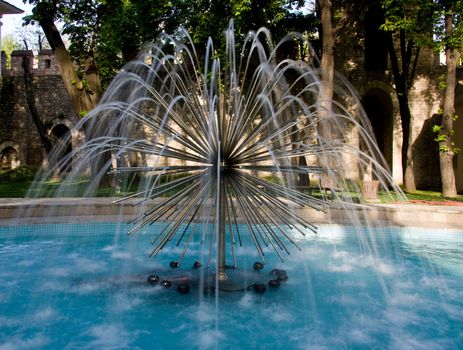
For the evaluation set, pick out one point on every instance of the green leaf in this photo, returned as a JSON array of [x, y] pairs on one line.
[[441, 138], [436, 128], [444, 149]]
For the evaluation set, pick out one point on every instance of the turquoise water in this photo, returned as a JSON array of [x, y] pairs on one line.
[[83, 286]]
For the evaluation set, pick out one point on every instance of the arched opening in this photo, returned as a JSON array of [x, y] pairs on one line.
[[9, 158], [379, 108], [62, 139]]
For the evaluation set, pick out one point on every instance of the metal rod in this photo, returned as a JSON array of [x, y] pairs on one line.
[[221, 253]]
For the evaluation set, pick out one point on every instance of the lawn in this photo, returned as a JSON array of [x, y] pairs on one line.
[[17, 184], [432, 196]]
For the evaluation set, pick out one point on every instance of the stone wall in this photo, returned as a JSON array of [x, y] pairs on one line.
[[458, 127], [51, 99], [361, 57]]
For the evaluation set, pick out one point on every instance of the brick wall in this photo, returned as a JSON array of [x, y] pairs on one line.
[[52, 102], [425, 98]]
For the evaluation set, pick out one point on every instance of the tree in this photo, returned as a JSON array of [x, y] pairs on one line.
[[9, 44], [328, 35], [104, 35], [210, 19], [45, 13], [31, 37], [408, 24], [450, 39], [112, 32], [335, 16]]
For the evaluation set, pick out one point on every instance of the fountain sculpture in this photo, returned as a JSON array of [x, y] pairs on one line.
[[221, 165], [232, 144]]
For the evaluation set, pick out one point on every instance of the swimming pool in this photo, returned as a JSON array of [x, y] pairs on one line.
[[68, 286]]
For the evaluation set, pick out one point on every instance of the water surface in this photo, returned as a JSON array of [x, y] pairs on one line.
[[84, 286]]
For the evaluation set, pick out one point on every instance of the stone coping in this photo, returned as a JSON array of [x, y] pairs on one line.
[[14, 211]]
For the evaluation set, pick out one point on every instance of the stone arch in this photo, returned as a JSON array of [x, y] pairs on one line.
[[67, 123], [62, 134], [381, 111], [10, 155], [396, 125]]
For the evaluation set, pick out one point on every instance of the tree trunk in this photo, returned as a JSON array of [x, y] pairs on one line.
[[327, 67], [79, 95], [92, 76], [402, 79], [326, 86], [407, 143], [446, 154]]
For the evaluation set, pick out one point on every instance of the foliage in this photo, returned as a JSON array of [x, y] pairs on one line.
[[22, 173], [441, 137], [421, 18], [113, 31], [414, 17], [441, 40], [9, 44], [211, 19]]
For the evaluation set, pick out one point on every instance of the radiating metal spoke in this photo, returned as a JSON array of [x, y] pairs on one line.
[[219, 149]]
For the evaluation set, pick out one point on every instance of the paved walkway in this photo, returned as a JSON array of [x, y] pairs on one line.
[[429, 215]]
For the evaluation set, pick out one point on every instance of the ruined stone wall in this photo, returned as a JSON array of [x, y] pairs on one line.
[[367, 70], [425, 103], [458, 127], [51, 99]]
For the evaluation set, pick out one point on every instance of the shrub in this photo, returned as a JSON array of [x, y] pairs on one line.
[[22, 173]]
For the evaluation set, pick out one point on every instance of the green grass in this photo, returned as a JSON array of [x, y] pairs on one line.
[[17, 183], [419, 195], [17, 189], [434, 196]]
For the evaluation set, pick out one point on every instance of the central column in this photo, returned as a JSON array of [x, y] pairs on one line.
[[222, 275]]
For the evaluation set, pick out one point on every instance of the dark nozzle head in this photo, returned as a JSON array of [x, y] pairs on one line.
[[259, 288], [280, 275], [153, 279], [183, 288], [166, 283], [274, 283]]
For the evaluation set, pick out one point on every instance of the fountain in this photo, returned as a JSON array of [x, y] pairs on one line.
[[207, 146], [220, 166]]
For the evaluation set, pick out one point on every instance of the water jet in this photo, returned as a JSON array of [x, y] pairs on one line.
[[211, 160], [206, 145]]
